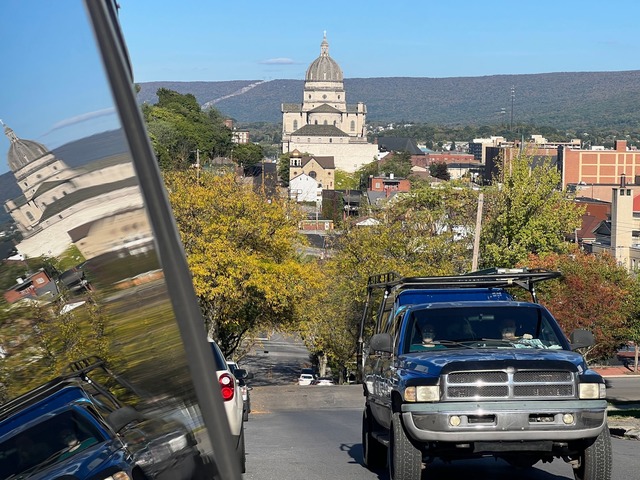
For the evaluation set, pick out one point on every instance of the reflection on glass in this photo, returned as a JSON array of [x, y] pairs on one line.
[[80, 276]]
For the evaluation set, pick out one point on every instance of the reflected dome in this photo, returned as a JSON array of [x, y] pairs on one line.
[[22, 152]]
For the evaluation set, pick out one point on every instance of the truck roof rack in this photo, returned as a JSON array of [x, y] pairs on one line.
[[488, 278]]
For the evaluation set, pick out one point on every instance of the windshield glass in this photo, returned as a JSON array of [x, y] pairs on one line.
[[49, 442], [481, 327]]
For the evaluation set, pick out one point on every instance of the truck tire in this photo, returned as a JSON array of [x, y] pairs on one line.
[[405, 460], [373, 452], [596, 459]]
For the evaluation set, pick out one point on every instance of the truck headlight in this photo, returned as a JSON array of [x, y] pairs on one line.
[[422, 394], [592, 390]]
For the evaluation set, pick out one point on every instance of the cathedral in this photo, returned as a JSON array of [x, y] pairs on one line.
[[324, 124]]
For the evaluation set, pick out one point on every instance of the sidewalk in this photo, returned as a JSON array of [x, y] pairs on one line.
[[616, 371]]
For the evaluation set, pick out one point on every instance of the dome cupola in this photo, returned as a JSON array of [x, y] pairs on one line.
[[22, 152], [324, 68]]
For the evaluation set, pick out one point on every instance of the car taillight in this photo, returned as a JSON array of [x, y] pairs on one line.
[[227, 386]]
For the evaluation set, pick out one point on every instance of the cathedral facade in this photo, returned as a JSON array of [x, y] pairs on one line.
[[324, 124]]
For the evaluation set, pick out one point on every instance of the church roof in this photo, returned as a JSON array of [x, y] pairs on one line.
[[291, 107], [320, 131], [399, 144], [324, 162], [324, 68], [22, 152], [324, 108]]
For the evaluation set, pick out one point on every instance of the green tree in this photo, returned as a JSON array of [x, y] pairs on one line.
[[526, 212], [284, 167], [247, 154], [243, 254], [397, 163], [178, 128], [439, 170]]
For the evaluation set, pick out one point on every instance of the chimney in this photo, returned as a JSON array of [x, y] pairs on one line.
[[620, 145]]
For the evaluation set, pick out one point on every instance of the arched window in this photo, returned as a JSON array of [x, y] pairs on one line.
[[353, 125], [29, 216], [312, 174], [325, 122], [316, 122], [295, 124]]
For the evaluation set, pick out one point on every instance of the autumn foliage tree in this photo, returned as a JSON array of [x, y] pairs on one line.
[[243, 253], [594, 293]]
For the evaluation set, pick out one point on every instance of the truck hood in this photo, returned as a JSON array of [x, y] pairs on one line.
[[103, 457], [438, 362]]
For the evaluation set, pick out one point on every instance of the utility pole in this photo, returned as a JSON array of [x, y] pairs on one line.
[[513, 96], [476, 238]]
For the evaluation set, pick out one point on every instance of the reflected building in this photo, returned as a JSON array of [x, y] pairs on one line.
[[96, 206]]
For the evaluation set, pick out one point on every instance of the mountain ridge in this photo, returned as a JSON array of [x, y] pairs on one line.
[[559, 99]]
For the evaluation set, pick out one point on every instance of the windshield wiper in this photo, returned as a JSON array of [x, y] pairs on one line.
[[454, 343]]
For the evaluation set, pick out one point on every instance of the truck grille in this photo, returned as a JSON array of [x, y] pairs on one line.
[[509, 384]]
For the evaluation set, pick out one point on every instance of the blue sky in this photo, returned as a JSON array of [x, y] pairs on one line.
[[211, 40], [61, 93]]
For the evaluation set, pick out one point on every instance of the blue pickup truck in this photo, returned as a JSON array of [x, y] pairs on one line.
[[456, 368], [74, 427]]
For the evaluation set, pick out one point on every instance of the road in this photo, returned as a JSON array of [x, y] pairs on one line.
[[314, 432]]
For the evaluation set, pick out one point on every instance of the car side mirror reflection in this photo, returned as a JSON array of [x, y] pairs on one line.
[[381, 342]]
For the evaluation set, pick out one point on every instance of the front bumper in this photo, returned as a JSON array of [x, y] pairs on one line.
[[505, 421]]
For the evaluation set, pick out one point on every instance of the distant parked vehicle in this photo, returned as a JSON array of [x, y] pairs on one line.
[[323, 381], [305, 379]]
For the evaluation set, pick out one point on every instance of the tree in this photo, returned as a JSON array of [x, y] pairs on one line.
[[526, 212], [396, 163], [594, 293], [284, 166], [439, 170], [178, 128], [247, 154], [420, 233], [243, 254]]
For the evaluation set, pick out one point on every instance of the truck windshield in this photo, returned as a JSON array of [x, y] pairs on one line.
[[46, 443], [481, 327]]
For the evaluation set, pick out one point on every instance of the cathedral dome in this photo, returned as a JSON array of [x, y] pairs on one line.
[[22, 152], [324, 68]]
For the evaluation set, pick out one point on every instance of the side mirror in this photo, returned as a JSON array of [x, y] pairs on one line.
[[581, 338], [381, 342], [123, 416], [242, 374]]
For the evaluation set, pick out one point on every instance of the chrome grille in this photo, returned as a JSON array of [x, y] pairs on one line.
[[508, 384]]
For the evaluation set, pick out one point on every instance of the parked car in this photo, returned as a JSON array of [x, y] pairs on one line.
[[305, 379], [242, 375], [323, 381], [233, 404]]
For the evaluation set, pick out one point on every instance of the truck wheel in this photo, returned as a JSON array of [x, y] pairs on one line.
[[405, 460], [373, 452], [596, 459]]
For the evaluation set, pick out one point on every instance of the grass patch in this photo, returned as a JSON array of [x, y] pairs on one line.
[[619, 413]]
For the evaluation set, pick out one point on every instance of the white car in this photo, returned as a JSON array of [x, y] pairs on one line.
[[233, 404], [305, 379]]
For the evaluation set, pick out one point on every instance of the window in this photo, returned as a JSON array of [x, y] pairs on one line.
[[313, 174], [295, 124], [353, 126], [29, 216]]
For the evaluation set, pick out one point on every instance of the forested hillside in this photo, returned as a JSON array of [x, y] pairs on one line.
[[561, 100]]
